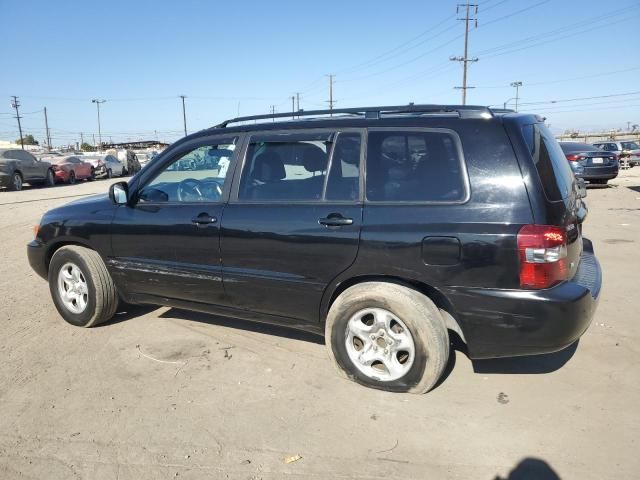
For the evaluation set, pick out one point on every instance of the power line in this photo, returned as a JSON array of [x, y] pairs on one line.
[[581, 98]]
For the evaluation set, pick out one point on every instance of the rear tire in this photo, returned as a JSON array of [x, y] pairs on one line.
[[50, 181], [109, 173], [16, 182], [82, 289], [72, 178], [416, 333], [92, 177]]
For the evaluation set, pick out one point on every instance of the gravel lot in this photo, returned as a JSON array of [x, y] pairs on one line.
[[162, 393]]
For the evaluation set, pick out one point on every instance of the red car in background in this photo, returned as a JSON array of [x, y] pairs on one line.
[[70, 169]]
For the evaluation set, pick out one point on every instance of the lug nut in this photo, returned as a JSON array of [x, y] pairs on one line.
[[373, 337], [382, 333], [386, 351]]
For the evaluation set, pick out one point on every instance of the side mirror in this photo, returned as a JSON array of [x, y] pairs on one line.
[[582, 188], [119, 193]]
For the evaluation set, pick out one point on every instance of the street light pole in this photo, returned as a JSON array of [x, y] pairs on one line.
[[184, 114], [98, 102]]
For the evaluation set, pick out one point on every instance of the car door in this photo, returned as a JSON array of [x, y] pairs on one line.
[[293, 221], [165, 243], [28, 166]]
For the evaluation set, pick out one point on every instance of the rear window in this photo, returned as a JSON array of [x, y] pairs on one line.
[[578, 147], [552, 166], [414, 166]]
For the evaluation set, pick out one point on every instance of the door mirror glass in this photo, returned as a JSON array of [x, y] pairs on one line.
[[119, 193]]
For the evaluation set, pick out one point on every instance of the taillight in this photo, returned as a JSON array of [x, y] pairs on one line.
[[575, 158], [543, 256]]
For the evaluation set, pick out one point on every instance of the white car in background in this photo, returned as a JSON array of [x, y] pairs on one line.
[[105, 166]]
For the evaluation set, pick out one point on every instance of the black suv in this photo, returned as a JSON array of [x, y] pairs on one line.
[[384, 227]]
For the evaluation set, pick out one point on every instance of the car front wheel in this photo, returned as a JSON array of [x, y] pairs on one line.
[[387, 336], [81, 287], [16, 182], [50, 181]]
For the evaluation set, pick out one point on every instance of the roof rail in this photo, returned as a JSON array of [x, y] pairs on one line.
[[464, 111]]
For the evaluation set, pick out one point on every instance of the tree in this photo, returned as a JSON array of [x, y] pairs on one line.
[[28, 140], [85, 147]]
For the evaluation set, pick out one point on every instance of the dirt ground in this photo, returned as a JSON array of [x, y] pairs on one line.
[[161, 393]]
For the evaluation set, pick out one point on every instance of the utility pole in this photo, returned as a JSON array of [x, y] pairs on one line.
[[469, 16], [94, 140], [330, 101], [293, 107], [184, 114], [15, 103], [298, 102], [98, 102], [273, 112], [81, 139], [46, 126], [517, 86]]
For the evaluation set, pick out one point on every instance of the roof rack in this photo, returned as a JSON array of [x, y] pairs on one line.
[[464, 111]]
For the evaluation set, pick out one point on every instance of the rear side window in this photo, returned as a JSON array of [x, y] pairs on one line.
[[414, 166], [552, 166], [630, 146]]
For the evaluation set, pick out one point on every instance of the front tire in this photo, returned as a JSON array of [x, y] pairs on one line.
[[72, 177], [50, 181], [109, 173], [387, 336], [82, 289]]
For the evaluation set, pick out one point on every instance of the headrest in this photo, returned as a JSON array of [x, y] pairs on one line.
[[268, 167], [314, 159]]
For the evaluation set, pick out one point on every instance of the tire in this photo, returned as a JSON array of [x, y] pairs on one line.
[[50, 181], [98, 294], [72, 178], [92, 177], [109, 173], [419, 315], [16, 182]]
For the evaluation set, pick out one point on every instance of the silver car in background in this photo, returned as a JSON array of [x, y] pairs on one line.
[[629, 148], [105, 166]]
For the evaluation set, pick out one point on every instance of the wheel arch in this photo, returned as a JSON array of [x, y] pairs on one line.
[[447, 310], [54, 247]]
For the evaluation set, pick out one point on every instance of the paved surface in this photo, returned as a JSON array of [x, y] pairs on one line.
[[162, 393]]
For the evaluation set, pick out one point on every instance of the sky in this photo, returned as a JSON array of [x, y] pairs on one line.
[[247, 55]]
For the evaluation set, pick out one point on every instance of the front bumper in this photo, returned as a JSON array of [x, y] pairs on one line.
[[36, 253], [506, 323]]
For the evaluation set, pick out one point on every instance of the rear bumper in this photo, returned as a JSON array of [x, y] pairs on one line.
[[61, 176], [598, 173], [5, 179], [505, 323]]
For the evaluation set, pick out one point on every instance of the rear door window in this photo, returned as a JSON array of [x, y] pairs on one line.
[[550, 162], [302, 167], [415, 166]]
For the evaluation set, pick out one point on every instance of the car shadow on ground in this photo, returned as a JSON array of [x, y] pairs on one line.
[[635, 188], [239, 324], [531, 468]]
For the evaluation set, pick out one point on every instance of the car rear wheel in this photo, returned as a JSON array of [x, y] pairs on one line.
[[92, 177], [387, 336], [50, 181], [81, 287], [72, 177], [16, 182], [109, 173]]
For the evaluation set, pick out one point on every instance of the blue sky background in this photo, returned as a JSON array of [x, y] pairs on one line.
[[247, 55]]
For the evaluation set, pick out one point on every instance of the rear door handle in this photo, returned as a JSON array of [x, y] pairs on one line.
[[204, 219], [335, 221]]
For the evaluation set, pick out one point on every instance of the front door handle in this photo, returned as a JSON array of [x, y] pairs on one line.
[[335, 220], [204, 219]]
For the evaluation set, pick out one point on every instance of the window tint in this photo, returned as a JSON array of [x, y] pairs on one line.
[[414, 166], [630, 145], [552, 166], [285, 167], [195, 176], [344, 175]]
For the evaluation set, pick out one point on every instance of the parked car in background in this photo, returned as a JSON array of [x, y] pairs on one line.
[[384, 228], [71, 168], [590, 163], [629, 149], [144, 157], [105, 166], [18, 167], [128, 159]]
